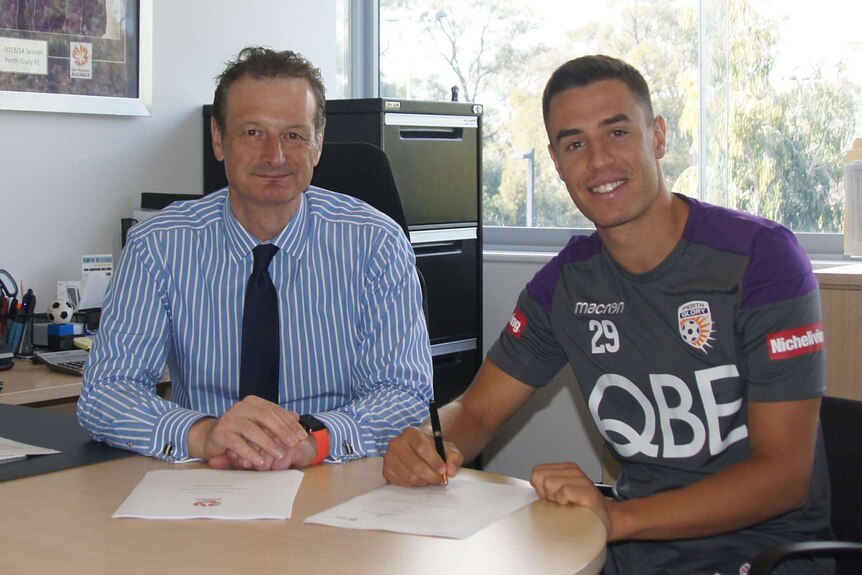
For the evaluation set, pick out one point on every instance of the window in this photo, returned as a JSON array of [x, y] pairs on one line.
[[343, 50], [762, 97], [356, 37]]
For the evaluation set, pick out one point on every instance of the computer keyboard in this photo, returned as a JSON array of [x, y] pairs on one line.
[[71, 362]]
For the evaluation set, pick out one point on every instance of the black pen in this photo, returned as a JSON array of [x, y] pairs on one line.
[[438, 436], [28, 302]]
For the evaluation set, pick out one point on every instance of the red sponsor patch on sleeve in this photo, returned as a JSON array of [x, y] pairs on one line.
[[517, 323], [796, 341]]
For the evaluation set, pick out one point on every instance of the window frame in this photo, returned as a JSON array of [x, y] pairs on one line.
[[364, 48], [821, 247]]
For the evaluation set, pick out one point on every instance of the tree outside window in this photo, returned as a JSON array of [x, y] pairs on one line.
[[753, 123]]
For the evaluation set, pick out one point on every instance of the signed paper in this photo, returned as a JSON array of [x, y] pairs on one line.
[[213, 494], [14, 450], [456, 511]]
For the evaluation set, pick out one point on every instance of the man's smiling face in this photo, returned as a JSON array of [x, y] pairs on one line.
[[607, 151]]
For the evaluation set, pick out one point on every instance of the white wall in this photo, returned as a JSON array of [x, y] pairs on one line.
[[555, 424], [67, 179]]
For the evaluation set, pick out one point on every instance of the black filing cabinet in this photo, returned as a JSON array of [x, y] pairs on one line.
[[435, 149]]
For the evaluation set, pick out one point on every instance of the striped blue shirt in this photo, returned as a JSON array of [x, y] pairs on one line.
[[354, 345]]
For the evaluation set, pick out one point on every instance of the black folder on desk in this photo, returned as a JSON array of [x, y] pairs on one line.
[[54, 429]]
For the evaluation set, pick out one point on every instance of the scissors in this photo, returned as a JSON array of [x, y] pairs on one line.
[[6, 280], [4, 285]]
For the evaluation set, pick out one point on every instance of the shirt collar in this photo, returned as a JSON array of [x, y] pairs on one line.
[[291, 239]]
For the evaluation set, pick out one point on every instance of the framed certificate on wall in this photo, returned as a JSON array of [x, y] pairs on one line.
[[78, 56]]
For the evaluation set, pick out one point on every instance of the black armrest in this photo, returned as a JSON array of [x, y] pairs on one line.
[[768, 559]]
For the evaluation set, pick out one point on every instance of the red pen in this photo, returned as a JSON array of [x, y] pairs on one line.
[[4, 309], [13, 308]]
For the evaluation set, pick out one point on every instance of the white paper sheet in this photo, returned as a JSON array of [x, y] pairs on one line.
[[93, 290], [14, 450], [456, 511], [213, 494]]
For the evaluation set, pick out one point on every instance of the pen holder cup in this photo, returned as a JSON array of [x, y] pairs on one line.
[[25, 349], [19, 336]]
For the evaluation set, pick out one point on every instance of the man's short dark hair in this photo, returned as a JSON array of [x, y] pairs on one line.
[[587, 70], [264, 63]]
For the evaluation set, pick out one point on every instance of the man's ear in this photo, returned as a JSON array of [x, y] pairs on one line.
[[659, 128], [216, 137], [318, 150]]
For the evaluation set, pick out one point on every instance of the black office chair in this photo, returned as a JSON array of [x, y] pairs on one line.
[[841, 422], [363, 171]]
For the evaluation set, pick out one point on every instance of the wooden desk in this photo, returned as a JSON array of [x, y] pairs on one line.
[[34, 384], [841, 298], [61, 523], [28, 384]]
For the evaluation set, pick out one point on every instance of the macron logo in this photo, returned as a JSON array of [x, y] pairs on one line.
[[592, 308], [797, 341], [517, 323]]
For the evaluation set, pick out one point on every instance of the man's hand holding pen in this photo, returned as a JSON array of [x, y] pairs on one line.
[[412, 459]]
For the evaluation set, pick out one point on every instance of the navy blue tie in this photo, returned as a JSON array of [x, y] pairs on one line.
[[260, 349]]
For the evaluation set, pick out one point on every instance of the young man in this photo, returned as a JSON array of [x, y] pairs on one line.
[[350, 346], [694, 332]]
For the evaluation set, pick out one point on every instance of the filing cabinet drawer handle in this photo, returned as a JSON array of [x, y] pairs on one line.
[[439, 349], [454, 134]]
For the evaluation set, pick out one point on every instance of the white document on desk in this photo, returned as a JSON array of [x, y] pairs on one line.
[[456, 511], [213, 494], [14, 450]]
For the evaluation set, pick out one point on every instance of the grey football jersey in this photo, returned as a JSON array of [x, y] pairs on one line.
[[668, 360]]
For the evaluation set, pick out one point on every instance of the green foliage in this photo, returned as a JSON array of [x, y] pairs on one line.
[[771, 150], [786, 147]]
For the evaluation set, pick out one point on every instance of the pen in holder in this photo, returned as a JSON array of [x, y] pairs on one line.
[[14, 334], [23, 324], [25, 348]]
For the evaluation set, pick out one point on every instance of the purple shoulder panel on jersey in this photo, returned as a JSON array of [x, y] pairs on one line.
[[579, 248], [778, 268]]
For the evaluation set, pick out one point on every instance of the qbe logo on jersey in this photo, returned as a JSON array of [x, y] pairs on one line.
[[695, 324]]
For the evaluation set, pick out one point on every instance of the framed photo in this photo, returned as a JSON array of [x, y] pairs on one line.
[[78, 56]]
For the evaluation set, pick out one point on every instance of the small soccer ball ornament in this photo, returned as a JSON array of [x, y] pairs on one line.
[[60, 311]]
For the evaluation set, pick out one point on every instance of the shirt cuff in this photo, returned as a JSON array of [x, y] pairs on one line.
[[344, 437], [171, 437]]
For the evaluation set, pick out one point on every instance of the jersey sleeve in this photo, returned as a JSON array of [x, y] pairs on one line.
[[527, 348], [780, 322]]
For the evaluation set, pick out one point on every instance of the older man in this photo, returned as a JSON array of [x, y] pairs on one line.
[[338, 363]]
